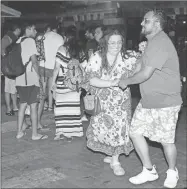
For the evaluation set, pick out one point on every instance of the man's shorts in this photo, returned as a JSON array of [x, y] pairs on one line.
[[29, 94], [48, 72], [10, 86], [157, 124]]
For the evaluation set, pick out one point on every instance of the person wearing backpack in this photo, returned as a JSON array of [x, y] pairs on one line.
[[10, 87], [27, 84]]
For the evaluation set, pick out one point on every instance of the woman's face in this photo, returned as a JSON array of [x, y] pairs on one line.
[[98, 34], [115, 44]]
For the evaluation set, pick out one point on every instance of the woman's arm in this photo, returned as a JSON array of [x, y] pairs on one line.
[[96, 82], [55, 72]]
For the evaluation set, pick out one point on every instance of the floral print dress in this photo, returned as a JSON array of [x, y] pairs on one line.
[[108, 132]]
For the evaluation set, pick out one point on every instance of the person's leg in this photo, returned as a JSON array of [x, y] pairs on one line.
[[142, 149], [7, 96], [13, 94], [14, 101], [21, 114], [172, 178], [41, 104], [34, 118], [170, 152], [149, 172], [33, 102], [116, 166], [139, 127], [83, 114], [7, 101], [50, 95]]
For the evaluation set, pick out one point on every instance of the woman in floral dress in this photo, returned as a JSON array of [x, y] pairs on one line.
[[108, 131]]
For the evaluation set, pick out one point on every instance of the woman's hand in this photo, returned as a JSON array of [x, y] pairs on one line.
[[122, 84], [114, 83], [53, 88]]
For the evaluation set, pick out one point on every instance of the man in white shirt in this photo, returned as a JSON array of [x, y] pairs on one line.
[[27, 84], [52, 41]]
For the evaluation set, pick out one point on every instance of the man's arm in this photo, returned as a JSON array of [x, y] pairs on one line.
[[144, 74], [138, 68], [35, 64]]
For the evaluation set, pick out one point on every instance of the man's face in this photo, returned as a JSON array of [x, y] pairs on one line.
[[48, 29], [32, 31], [18, 32], [55, 30], [88, 35], [149, 23]]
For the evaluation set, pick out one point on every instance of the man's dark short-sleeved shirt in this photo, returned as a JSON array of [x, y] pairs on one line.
[[163, 88]]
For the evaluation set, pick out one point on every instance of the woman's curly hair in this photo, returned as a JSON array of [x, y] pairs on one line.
[[103, 47]]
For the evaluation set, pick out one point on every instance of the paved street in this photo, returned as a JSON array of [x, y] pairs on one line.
[[59, 164]]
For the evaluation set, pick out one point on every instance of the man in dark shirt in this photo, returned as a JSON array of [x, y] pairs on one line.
[[157, 113]]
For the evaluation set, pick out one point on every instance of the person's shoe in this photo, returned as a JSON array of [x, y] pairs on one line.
[[59, 137], [117, 169], [107, 159], [172, 178], [10, 113], [20, 135], [145, 176]]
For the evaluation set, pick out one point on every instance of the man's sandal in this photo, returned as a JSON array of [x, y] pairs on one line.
[[41, 137], [10, 113], [20, 135]]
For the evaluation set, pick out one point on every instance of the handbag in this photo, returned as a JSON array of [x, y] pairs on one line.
[[92, 104]]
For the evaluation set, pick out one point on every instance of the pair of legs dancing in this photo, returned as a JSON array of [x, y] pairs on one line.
[[158, 125]]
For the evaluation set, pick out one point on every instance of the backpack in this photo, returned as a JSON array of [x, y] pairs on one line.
[[74, 75], [12, 65]]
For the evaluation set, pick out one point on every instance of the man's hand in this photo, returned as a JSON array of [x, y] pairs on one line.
[[122, 84]]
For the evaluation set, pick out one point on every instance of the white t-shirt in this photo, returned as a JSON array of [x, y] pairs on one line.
[[28, 49], [52, 42]]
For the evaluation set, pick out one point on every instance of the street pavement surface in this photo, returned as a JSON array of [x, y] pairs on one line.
[[60, 164]]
